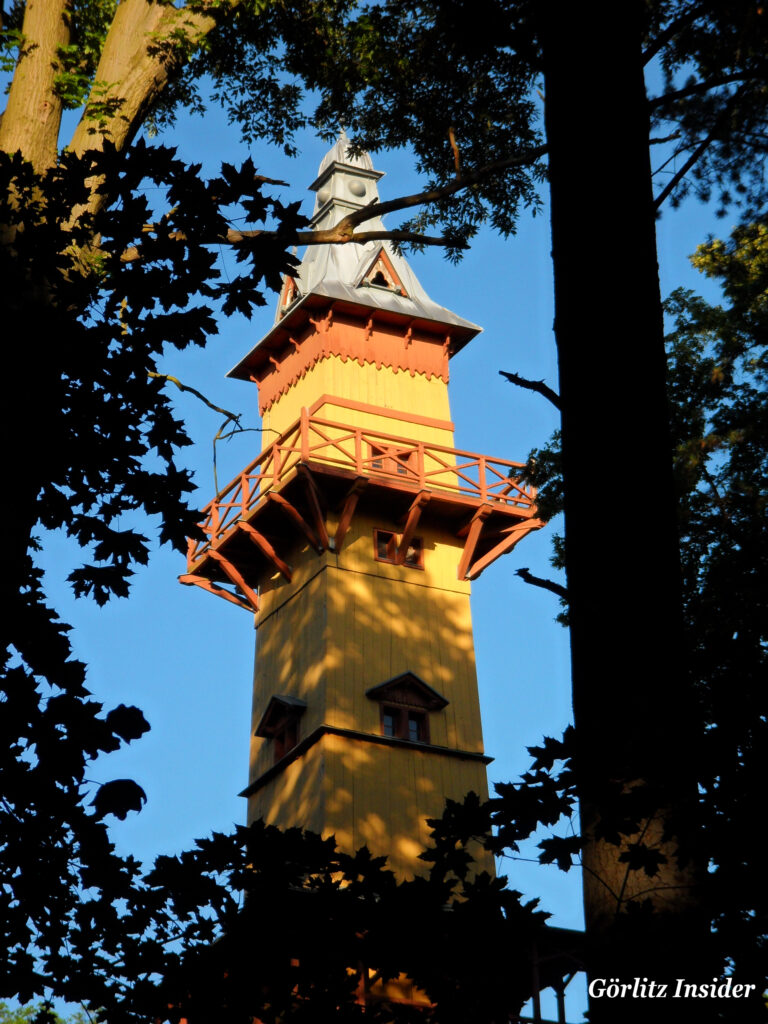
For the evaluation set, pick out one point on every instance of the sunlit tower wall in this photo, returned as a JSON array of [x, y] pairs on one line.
[[353, 537]]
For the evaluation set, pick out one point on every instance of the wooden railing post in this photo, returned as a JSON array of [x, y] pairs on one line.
[[482, 478], [275, 464], [358, 450], [214, 520], [304, 434], [420, 467], [245, 492]]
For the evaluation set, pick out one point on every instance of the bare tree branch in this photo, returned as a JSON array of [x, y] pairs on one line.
[[328, 237], [678, 177], [198, 394], [344, 231], [665, 138], [231, 417], [533, 385], [718, 126], [433, 195], [538, 581], [693, 90]]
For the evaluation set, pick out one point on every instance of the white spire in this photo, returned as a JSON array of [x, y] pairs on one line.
[[372, 274], [344, 183]]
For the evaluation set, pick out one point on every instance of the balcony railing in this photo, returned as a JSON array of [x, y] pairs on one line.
[[401, 461]]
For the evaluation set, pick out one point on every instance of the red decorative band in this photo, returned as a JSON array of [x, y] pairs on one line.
[[402, 348]]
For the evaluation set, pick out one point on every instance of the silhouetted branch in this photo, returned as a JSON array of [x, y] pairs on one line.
[[693, 90], [678, 177], [198, 394], [432, 195], [533, 385], [663, 139], [670, 32], [700, 149], [538, 581], [344, 231]]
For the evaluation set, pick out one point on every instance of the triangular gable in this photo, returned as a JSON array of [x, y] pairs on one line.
[[382, 274], [280, 709], [290, 292], [408, 690]]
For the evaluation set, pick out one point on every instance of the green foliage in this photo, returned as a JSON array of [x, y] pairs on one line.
[[718, 388], [37, 1013], [418, 73], [397, 73], [719, 381], [11, 36], [281, 926], [89, 21], [714, 101], [104, 446]]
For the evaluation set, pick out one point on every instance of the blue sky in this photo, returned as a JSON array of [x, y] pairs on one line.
[[186, 659]]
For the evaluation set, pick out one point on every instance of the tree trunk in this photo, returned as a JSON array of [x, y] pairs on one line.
[[32, 117], [631, 706]]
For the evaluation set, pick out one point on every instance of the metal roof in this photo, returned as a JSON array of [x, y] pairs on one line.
[[336, 272]]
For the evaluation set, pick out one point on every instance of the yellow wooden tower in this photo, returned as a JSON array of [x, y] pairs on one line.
[[353, 538]]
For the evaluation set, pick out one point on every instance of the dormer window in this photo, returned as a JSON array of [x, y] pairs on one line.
[[406, 702], [280, 723], [382, 274], [405, 724], [288, 296]]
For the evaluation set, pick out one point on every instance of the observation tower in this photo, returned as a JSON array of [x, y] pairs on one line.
[[352, 538]]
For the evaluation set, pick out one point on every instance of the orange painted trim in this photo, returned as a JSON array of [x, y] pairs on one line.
[[379, 410], [313, 496], [355, 339], [382, 257], [350, 504], [298, 519], [190, 580], [266, 549], [473, 536], [412, 521], [312, 445], [234, 574], [514, 535]]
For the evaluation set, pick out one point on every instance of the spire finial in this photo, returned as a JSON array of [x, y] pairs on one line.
[[344, 183]]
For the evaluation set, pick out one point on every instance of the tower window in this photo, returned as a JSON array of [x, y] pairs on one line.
[[406, 703], [405, 723], [286, 738], [392, 460], [280, 723], [385, 544]]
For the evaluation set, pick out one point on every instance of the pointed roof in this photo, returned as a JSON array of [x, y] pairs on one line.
[[370, 276], [410, 690], [340, 153]]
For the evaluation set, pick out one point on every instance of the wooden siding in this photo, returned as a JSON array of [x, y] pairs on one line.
[[370, 795], [345, 623], [387, 388]]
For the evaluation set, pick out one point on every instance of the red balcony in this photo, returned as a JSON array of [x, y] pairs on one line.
[[319, 463]]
